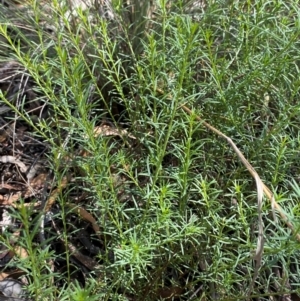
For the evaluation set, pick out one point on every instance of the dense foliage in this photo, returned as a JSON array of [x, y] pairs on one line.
[[168, 205]]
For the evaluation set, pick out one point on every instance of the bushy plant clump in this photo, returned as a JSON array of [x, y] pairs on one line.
[[176, 210]]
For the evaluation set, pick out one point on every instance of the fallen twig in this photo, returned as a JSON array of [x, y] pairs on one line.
[[252, 171], [261, 188]]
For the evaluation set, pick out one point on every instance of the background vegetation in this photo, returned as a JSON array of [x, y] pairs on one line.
[[102, 88]]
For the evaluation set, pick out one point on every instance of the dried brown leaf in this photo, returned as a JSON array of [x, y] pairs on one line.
[[3, 276], [21, 252], [38, 181], [54, 194], [86, 216], [106, 130], [10, 200]]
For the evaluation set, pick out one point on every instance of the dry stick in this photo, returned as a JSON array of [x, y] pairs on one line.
[[261, 187], [252, 171]]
